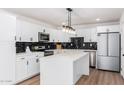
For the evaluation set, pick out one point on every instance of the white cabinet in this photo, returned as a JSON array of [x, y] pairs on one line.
[[89, 34], [27, 31], [7, 62], [7, 48], [24, 29], [67, 37], [53, 35], [58, 35], [34, 29], [21, 68], [7, 27], [109, 28], [52, 32], [27, 66], [86, 33], [93, 35], [18, 30], [33, 65], [63, 36]]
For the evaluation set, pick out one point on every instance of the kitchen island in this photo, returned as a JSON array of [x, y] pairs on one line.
[[64, 68]]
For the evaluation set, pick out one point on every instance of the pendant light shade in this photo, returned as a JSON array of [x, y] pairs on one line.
[[68, 28]]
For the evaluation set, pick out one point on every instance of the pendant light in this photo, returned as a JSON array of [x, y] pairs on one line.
[[68, 28]]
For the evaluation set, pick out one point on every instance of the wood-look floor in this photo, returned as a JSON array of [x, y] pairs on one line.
[[100, 77], [96, 77], [32, 81]]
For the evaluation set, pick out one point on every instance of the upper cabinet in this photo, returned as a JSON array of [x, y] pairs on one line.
[[27, 31], [52, 33], [7, 27], [89, 34], [93, 34], [58, 35], [109, 28]]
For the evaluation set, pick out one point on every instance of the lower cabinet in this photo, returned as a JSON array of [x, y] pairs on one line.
[[33, 66], [26, 67], [21, 69]]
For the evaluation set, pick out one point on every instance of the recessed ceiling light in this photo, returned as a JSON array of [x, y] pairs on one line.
[[98, 19]]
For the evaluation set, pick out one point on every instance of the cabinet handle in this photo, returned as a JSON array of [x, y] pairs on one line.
[[31, 39], [20, 38], [27, 62], [15, 38], [107, 29], [22, 58], [37, 60], [44, 30]]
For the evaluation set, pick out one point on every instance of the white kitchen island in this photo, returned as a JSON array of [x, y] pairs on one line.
[[64, 68]]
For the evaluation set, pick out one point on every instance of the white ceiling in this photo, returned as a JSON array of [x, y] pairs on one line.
[[56, 16]]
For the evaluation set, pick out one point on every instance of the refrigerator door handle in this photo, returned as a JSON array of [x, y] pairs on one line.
[[107, 44]]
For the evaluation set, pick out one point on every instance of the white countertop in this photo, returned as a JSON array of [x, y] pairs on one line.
[[72, 50], [70, 55], [29, 53]]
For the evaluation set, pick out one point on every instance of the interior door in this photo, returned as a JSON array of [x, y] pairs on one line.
[[102, 44], [113, 44]]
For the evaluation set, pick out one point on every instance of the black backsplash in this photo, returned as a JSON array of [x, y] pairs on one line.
[[89, 45], [84, 45], [21, 46]]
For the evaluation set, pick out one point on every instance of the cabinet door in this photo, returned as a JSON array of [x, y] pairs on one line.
[[29, 31], [18, 30], [52, 35], [55, 36], [33, 66], [86, 33], [7, 62], [34, 29], [21, 69], [60, 36], [25, 31], [109, 28], [7, 27], [93, 35], [37, 65]]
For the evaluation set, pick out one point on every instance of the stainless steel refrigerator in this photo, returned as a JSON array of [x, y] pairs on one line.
[[108, 55]]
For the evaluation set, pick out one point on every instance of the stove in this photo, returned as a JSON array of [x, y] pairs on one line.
[[48, 53]]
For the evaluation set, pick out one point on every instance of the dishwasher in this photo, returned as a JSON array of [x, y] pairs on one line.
[[92, 58]]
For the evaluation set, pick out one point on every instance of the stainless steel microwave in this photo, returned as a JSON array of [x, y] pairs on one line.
[[43, 37]]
